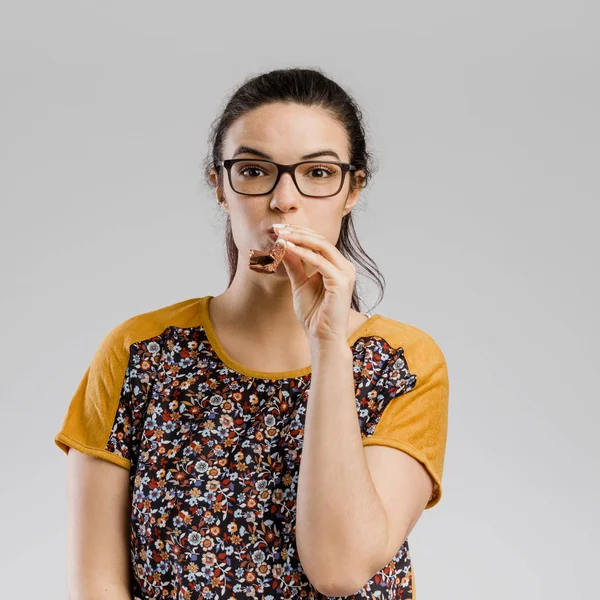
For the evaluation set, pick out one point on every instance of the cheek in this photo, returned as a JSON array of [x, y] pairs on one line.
[[328, 221], [246, 218]]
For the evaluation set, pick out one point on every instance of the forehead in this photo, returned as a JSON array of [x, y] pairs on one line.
[[286, 131]]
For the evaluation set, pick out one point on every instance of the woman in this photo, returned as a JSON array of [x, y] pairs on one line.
[[271, 441]]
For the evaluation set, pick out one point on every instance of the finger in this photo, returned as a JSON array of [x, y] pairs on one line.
[[294, 267], [318, 244], [300, 228], [281, 225], [327, 269]]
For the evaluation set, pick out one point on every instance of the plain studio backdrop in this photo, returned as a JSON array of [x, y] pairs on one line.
[[483, 217]]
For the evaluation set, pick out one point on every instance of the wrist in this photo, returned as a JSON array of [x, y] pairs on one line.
[[320, 349]]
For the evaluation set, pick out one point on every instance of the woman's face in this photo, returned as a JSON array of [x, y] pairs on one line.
[[285, 132]]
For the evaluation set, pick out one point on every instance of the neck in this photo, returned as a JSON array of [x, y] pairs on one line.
[[260, 304]]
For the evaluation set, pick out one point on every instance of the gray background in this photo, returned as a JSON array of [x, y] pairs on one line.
[[483, 217]]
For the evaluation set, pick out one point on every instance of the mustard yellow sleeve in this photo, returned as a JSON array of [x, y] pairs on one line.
[[416, 421], [97, 421]]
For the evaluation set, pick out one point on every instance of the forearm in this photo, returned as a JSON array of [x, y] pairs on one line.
[[340, 521]]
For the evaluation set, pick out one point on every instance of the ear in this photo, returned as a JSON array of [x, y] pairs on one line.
[[214, 179], [353, 196]]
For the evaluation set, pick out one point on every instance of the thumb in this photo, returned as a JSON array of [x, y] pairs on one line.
[[294, 268]]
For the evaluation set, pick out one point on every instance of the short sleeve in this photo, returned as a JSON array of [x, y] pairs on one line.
[[98, 420], [415, 419]]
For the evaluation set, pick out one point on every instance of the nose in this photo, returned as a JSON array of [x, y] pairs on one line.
[[286, 193]]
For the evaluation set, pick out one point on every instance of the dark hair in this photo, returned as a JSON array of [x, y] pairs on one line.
[[308, 87]]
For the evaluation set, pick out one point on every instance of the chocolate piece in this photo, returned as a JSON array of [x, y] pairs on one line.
[[267, 262]]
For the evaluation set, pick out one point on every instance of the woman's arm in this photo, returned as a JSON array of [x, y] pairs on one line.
[[341, 524], [98, 562]]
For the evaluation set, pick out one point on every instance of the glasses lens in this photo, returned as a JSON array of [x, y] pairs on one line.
[[253, 177], [258, 177], [318, 179]]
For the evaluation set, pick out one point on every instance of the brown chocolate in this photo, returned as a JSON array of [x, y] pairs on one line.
[[267, 262]]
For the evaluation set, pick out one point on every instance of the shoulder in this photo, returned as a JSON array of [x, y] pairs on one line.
[[418, 345], [149, 324]]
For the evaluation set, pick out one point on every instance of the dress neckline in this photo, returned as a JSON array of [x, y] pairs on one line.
[[221, 353]]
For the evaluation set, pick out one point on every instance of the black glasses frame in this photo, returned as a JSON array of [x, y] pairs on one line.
[[291, 169]]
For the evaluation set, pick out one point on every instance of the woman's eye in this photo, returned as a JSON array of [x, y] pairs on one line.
[[245, 170], [320, 170]]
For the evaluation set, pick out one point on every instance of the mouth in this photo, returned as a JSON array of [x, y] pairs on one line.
[[272, 233]]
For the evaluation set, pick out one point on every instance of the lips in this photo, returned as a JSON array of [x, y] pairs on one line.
[[272, 233]]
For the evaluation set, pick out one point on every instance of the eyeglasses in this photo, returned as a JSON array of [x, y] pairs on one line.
[[318, 179]]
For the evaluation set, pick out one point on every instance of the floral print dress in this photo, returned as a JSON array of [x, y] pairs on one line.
[[213, 449]]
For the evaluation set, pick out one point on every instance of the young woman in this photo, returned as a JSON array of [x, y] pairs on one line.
[[271, 441]]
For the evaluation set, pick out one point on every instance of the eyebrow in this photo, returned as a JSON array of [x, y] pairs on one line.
[[248, 150]]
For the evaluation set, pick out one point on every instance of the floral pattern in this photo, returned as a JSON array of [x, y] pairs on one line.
[[214, 469]]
